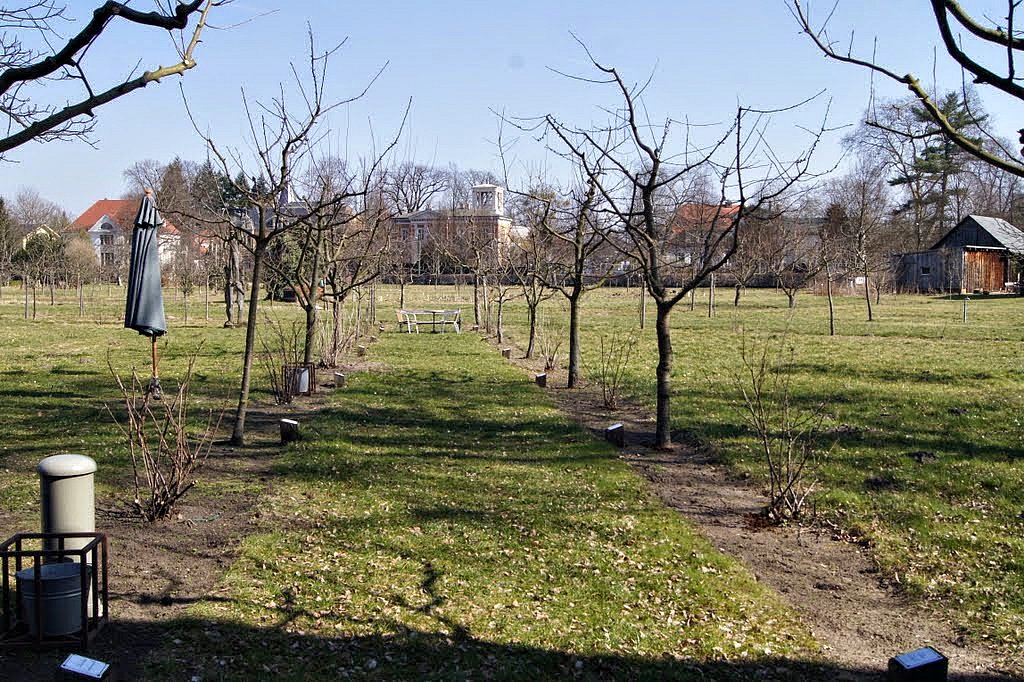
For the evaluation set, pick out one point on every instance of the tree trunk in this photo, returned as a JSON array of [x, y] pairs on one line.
[[736, 298], [791, 297], [238, 432], [867, 296], [711, 296], [207, 295], [831, 306], [184, 303], [575, 357], [663, 429], [401, 293], [501, 311], [486, 296], [533, 330], [310, 337], [24, 290], [693, 299], [476, 299], [337, 306], [643, 306], [312, 314], [81, 299]]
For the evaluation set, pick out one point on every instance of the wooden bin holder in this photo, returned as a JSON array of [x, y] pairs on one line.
[[289, 377], [14, 630]]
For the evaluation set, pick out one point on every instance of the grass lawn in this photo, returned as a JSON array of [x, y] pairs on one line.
[[445, 522], [55, 384], [949, 530]]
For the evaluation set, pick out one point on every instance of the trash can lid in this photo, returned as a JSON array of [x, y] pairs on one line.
[[52, 571], [58, 466]]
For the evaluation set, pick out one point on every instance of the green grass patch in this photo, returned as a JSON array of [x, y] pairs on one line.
[[949, 529], [445, 521]]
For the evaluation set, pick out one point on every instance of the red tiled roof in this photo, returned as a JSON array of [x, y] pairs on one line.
[[121, 211]]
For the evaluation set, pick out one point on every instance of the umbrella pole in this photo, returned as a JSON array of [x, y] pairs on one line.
[[154, 381]]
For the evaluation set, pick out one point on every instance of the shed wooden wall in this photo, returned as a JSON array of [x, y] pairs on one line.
[[984, 271], [930, 270]]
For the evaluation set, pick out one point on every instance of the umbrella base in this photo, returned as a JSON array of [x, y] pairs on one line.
[[153, 389]]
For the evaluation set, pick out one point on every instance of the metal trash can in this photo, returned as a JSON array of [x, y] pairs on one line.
[[300, 380], [60, 596], [67, 499]]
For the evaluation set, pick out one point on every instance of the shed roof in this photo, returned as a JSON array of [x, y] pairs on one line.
[[1012, 238]]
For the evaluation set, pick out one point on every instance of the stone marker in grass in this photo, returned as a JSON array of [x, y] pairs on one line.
[[616, 435], [339, 379], [506, 353], [361, 351], [290, 431], [542, 380]]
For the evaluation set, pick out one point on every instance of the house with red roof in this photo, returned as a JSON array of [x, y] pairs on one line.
[[108, 224]]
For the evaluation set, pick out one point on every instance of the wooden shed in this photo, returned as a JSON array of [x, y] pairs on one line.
[[980, 254]]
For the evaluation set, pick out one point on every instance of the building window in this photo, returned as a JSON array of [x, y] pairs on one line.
[[106, 240], [107, 259], [925, 271], [421, 233], [405, 233]]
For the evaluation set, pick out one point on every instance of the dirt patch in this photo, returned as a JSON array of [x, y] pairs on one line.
[[158, 570], [831, 582]]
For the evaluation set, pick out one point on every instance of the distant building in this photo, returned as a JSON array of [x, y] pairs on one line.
[[108, 224], [428, 237], [980, 254]]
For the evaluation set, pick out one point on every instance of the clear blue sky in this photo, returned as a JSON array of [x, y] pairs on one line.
[[458, 60]]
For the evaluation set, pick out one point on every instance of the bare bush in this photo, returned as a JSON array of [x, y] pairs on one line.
[[616, 352], [550, 340], [280, 349], [789, 434], [165, 452]]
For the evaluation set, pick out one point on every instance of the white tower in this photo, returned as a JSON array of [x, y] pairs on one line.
[[489, 200]]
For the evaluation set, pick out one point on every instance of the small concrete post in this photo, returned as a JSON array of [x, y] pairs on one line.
[[290, 431], [361, 351], [67, 498], [616, 435], [506, 353], [542, 380], [339, 379], [966, 300], [374, 339]]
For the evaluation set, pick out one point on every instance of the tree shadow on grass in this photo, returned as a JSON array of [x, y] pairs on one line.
[[190, 648]]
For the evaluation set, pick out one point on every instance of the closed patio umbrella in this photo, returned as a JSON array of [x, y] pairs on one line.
[[144, 310]]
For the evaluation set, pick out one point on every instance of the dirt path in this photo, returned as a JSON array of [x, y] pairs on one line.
[[832, 583]]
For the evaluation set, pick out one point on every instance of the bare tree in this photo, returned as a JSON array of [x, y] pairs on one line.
[[411, 187], [283, 137], [858, 203], [10, 243], [26, 71], [968, 42], [789, 251], [530, 263], [643, 184], [573, 225]]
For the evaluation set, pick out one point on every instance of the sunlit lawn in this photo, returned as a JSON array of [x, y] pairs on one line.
[[949, 530], [442, 520]]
